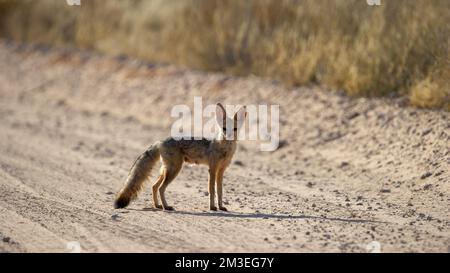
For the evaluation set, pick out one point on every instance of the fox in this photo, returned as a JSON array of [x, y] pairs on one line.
[[216, 153]]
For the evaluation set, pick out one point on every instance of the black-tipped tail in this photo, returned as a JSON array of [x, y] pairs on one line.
[[138, 175], [121, 202]]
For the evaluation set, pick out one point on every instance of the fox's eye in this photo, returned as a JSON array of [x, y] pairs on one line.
[[225, 129]]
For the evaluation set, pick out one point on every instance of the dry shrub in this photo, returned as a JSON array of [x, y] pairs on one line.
[[398, 48]]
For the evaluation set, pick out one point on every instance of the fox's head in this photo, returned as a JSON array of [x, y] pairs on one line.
[[229, 127]]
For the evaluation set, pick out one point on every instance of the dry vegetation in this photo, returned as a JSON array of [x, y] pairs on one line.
[[398, 48]]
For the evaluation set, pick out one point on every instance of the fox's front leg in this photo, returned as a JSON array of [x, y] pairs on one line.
[[211, 185], [219, 188]]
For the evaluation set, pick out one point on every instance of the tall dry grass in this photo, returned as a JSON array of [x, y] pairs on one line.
[[398, 48]]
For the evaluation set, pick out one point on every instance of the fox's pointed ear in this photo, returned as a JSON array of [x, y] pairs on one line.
[[220, 114], [240, 114]]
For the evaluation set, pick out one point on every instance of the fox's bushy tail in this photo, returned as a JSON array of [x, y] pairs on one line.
[[139, 172]]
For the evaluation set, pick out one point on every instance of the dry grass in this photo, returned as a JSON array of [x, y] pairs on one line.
[[398, 48]]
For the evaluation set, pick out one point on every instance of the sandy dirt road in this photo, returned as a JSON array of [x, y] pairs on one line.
[[350, 173]]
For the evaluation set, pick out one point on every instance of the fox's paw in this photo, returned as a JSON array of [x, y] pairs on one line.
[[169, 208], [223, 208], [158, 207], [214, 208]]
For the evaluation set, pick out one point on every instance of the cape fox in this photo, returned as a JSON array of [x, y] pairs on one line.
[[216, 153]]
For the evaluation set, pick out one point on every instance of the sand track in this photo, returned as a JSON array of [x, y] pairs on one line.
[[349, 172]]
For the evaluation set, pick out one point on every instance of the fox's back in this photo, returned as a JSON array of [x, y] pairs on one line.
[[192, 150]]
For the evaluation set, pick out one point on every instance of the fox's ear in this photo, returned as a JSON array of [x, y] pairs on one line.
[[240, 115], [220, 114]]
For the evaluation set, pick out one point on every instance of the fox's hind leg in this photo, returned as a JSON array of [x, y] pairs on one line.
[[155, 188], [170, 171]]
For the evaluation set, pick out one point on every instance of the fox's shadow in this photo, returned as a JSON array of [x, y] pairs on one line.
[[261, 216]]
